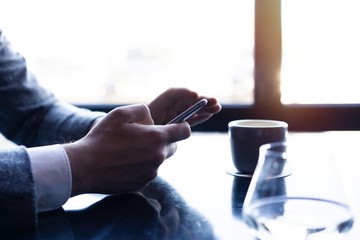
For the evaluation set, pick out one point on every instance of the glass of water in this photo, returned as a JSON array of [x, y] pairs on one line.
[[296, 193]]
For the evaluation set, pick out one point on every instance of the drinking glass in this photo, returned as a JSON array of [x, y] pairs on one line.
[[295, 193]]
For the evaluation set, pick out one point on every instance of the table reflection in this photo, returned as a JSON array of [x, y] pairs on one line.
[[240, 186], [156, 212]]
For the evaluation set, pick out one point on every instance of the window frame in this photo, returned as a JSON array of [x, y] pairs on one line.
[[267, 96]]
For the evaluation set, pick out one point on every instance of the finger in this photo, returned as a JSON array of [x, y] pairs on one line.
[[212, 106], [171, 149], [136, 113], [205, 113], [197, 119], [176, 132], [211, 109]]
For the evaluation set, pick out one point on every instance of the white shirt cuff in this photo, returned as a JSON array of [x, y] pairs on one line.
[[52, 176]]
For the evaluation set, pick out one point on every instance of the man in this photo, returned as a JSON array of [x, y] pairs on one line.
[[64, 151]]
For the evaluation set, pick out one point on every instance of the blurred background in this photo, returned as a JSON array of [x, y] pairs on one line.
[[120, 52]]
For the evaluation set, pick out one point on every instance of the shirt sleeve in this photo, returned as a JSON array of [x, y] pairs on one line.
[[52, 176]]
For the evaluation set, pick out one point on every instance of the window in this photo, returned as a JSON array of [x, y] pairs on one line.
[[291, 60], [321, 52], [129, 51]]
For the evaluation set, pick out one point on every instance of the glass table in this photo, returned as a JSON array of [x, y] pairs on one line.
[[193, 198]]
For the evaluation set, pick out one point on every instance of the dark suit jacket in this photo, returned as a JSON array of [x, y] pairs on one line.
[[29, 116]]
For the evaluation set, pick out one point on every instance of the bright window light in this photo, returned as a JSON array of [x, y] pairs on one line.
[[321, 52], [117, 51]]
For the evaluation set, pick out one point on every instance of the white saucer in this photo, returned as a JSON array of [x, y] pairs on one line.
[[236, 173]]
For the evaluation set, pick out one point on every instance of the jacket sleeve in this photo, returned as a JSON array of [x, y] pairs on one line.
[[31, 115], [17, 194]]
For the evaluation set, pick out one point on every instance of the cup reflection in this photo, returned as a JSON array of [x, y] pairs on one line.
[[240, 186]]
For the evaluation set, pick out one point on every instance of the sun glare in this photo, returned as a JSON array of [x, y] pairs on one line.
[[321, 51]]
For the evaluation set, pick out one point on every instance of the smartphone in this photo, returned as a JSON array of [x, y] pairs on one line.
[[189, 112]]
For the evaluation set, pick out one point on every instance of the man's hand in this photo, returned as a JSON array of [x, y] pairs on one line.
[[122, 152], [175, 100]]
